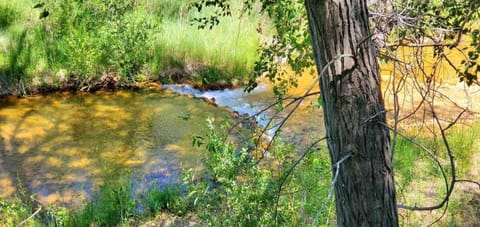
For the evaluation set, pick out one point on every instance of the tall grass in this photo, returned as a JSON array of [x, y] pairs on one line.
[[137, 40], [230, 47]]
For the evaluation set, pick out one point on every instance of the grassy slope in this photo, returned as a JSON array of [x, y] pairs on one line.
[[72, 42]]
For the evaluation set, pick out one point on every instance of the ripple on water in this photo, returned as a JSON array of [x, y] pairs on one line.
[[62, 147]]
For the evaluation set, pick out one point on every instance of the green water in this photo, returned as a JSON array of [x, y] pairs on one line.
[[61, 146]]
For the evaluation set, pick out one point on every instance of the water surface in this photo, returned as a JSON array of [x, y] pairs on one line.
[[62, 146]]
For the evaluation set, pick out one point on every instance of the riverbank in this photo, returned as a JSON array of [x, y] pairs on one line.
[[45, 47], [113, 82]]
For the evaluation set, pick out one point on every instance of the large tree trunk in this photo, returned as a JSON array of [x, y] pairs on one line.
[[354, 112]]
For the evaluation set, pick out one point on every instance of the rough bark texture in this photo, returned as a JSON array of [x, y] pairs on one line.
[[354, 111]]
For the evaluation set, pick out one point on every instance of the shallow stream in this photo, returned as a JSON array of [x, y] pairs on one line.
[[61, 147]]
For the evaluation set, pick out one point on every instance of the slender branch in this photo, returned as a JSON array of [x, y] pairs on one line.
[[285, 177], [456, 119], [468, 181], [422, 44], [452, 175], [299, 101], [31, 216], [238, 123], [435, 159]]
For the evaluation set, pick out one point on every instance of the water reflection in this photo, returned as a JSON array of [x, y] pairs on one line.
[[61, 147]]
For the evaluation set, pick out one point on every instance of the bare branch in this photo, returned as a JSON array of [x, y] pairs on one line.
[[450, 186], [31, 216], [430, 153], [469, 181]]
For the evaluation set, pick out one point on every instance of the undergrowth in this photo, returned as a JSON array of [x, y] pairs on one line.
[[233, 189], [419, 180], [74, 43], [238, 191]]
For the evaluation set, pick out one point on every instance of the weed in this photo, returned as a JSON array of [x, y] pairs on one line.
[[169, 199], [113, 205], [237, 191]]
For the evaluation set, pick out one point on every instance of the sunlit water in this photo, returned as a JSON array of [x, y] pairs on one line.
[[61, 147], [305, 123]]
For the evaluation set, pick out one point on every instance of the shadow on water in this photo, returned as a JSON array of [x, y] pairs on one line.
[[62, 147]]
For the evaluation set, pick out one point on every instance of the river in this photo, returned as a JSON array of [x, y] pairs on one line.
[[61, 147]]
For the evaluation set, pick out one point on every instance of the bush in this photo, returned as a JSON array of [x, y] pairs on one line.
[[238, 191], [13, 212], [88, 39]]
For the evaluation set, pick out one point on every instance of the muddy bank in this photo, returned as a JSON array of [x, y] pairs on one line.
[[195, 77]]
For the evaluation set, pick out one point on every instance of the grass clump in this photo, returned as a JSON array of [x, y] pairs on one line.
[[225, 52], [113, 205], [170, 199]]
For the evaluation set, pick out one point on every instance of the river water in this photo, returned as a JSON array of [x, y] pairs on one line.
[[61, 147]]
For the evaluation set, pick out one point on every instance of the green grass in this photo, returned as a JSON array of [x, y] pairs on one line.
[[230, 47], [136, 40], [419, 181], [113, 205], [170, 199]]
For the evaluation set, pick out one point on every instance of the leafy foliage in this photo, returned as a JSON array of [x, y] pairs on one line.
[[13, 212], [290, 44], [238, 191], [95, 37], [440, 24]]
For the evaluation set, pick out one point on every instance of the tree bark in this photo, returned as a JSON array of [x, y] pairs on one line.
[[354, 112]]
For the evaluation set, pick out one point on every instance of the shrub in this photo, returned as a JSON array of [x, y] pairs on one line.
[[238, 191], [96, 37]]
